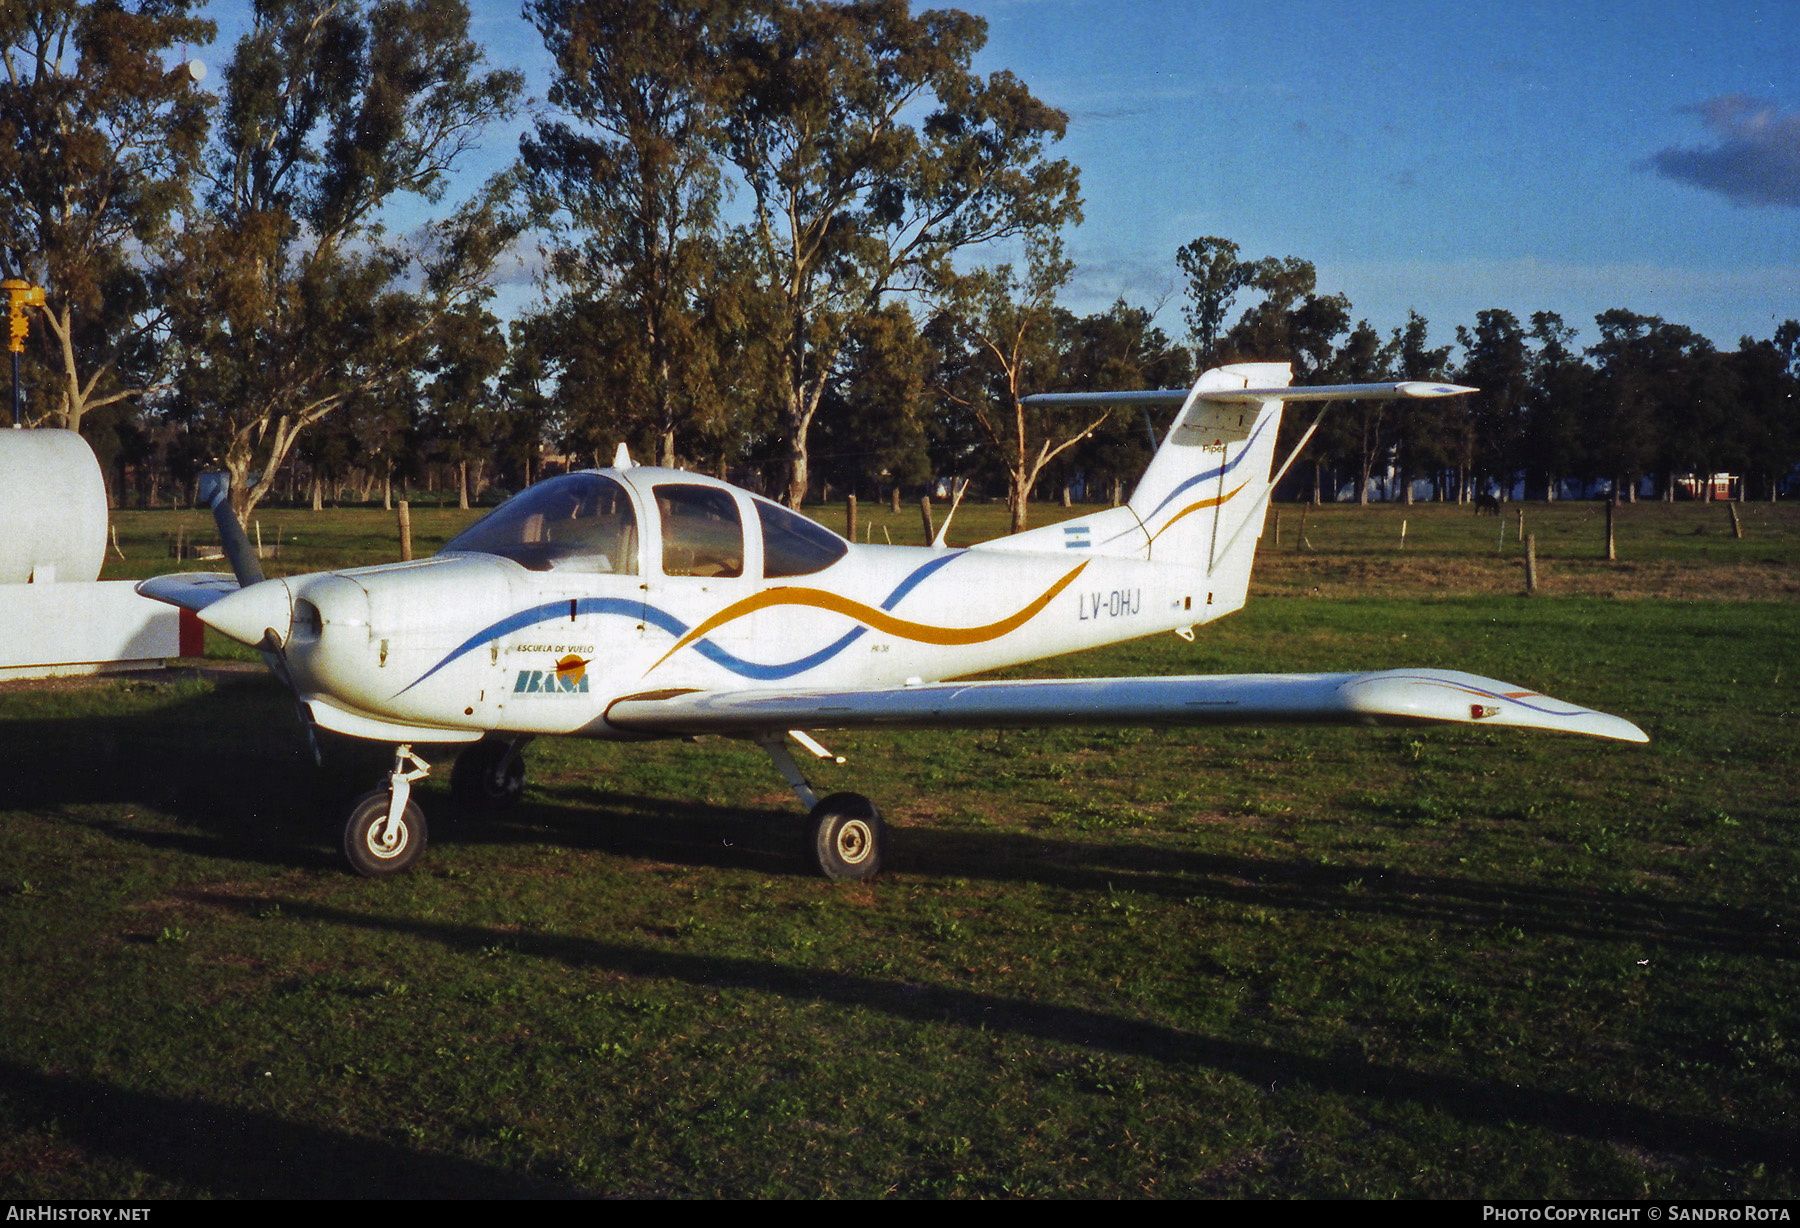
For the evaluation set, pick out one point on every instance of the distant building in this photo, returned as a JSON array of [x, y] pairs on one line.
[[1713, 486]]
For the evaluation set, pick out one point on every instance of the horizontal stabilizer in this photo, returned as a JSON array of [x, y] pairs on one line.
[[1165, 397], [191, 590], [1387, 697]]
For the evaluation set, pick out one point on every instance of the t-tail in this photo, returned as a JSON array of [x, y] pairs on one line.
[[1202, 501]]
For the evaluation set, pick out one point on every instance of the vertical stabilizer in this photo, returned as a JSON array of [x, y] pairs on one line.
[[1202, 501], [1203, 498]]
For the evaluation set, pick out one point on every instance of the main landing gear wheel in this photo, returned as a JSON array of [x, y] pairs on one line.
[[377, 847], [846, 837], [488, 776]]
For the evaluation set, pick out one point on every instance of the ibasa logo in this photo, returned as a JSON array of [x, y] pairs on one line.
[[568, 678]]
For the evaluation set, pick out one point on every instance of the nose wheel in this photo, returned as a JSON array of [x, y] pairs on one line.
[[385, 831]]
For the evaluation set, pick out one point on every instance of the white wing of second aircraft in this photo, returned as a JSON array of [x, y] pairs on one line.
[[1385, 697]]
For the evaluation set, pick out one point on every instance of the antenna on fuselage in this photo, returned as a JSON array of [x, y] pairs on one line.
[[622, 458], [958, 486]]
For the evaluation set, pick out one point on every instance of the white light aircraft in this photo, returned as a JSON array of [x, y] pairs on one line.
[[635, 603]]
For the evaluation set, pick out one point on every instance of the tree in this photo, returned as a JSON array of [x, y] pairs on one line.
[[1002, 332], [1417, 425], [1119, 350], [1648, 404], [99, 141], [1264, 332], [852, 202], [1558, 393], [630, 184], [1766, 374], [1365, 359], [1215, 276], [468, 355], [875, 418], [293, 298], [1491, 419]]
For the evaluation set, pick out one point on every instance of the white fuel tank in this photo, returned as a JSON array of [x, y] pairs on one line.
[[52, 508]]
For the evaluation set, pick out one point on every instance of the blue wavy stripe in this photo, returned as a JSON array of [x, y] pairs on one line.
[[537, 614], [1198, 478], [1144, 523], [664, 621], [775, 673]]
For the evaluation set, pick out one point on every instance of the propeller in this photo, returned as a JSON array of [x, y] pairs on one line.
[[275, 656]]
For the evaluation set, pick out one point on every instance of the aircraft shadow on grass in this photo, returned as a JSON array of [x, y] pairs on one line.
[[232, 1152], [1473, 1101], [226, 766]]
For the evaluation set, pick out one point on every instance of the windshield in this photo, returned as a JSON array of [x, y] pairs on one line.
[[580, 522]]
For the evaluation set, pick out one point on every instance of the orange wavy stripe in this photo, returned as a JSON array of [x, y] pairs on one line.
[[880, 620], [1197, 507]]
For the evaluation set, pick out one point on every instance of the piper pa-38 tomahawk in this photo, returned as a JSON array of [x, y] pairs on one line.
[[635, 603]]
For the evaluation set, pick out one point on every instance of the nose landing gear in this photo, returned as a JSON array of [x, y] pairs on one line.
[[385, 831]]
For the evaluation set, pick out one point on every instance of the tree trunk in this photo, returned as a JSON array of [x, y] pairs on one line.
[[462, 485]]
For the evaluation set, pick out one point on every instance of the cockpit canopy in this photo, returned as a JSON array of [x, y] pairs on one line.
[[584, 522], [579, 522]]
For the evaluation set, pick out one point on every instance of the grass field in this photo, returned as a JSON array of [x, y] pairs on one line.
[[1103, 962]]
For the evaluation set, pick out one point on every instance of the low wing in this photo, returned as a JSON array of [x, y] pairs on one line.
[[191, 590], [1386, 697]]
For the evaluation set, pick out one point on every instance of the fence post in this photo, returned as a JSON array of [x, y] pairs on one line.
[[404, 511], [1531, 564]]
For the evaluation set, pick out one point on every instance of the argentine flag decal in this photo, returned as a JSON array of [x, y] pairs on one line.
[[1075, 537]]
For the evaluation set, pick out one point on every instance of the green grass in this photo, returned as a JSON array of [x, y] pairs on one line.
[[1104, 962]]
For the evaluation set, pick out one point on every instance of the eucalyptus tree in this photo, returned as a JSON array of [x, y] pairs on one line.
[[1364, 358], [1002, 343], [876, 420], [1650, 415], [100, 136], [1417, 427], [1119, 350], [1768, 380], [1491, 419], [853, 200], [1215, 276], [625, 175], [1264, 333], [294, 298], [1559, 392]]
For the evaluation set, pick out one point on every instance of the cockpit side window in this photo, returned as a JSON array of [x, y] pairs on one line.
[[702, 534], [581, 522], [794, 545]]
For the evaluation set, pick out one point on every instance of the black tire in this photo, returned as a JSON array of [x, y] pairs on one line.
[[371, 849], [846, 838], [487, 776]]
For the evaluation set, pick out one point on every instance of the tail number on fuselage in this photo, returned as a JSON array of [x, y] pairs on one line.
[[1121, 602]]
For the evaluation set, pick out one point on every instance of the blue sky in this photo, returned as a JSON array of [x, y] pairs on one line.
[[1446, 157]]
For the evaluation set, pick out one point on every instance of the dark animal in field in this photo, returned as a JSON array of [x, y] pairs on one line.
[[1487, 503]]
